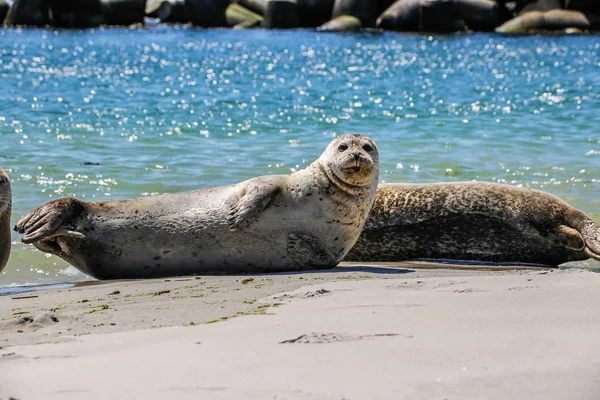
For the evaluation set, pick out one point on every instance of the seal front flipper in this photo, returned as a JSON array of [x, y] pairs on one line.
[[252, 201], [49, 220], [307, 251]]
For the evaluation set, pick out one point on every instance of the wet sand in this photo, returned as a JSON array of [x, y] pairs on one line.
[[408, 330]]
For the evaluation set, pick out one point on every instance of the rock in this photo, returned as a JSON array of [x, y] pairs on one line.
[[523, 6], [343, 23], [585, 6], [76, 13], [257, 6], [421, 16], [160, 9], [564, 19], [281, 14], [523, 23], [248, 24], [365, 10], [553, 20], [4, 7], [238, 15], [482, 15], [313, 13], [91, 13], [402, 15], [440, 16], [207, 13], [179, 13], [123, 12], [383, 5], [27, 12]]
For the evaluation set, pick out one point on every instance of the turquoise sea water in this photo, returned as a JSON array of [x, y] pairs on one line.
[[170, 109]]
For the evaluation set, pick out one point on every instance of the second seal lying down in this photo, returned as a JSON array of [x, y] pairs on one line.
[[476, 221], [308, 219]]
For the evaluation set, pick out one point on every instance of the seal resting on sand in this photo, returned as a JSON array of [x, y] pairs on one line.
[[5, 210], [308, 219], [477, 221]]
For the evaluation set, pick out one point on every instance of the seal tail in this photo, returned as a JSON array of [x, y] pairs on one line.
[[590, 231]]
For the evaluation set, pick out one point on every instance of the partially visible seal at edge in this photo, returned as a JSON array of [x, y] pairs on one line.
[[5, 212], [476, 221]]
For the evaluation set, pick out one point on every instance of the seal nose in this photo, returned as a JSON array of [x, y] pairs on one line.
[[356, 155]]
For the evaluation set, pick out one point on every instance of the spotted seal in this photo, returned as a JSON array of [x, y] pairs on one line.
[[5, 210], [308, 219], [474, 221]]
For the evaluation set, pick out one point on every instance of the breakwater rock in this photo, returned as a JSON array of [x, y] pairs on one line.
[[444, 16]]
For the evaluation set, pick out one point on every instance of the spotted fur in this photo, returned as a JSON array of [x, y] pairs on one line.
[[475, 221]]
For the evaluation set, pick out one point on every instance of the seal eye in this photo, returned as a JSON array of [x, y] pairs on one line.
[[343, 147], [367, 147], [3, 181]]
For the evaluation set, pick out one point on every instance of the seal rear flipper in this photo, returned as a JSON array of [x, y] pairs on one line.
[[254, 199], [307, 251], [570, 238], [590, 231], [49, 220]]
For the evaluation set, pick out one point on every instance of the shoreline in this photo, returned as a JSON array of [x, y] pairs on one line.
[[115, 305], [16, 289], [357, 332]]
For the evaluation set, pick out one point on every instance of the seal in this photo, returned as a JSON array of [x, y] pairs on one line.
[[308, 219], [5, 210], [475, 221]]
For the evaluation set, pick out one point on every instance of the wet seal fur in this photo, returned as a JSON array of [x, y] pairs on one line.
[[308, 219], [475, 221], [5, 211]]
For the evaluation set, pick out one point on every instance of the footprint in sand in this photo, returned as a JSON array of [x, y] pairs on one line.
[[523, 287], [302, 294], [469, 290], [319, 338]]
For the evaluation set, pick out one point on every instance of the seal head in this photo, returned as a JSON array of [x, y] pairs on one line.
[[350, 162]]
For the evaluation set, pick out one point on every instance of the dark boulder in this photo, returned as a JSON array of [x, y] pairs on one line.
[[76, 13], [207, 13], [281, 14], [554, 20], [123, 12], [343, 23], [422, 16], [313, 13], [383, 5], [482, 15], [160, 9], [4, 7], [365, 10], [179, 13], [523, 6], [585, 6], [28, 12]]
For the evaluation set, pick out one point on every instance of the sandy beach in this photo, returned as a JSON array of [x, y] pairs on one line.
[[410, 331]]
